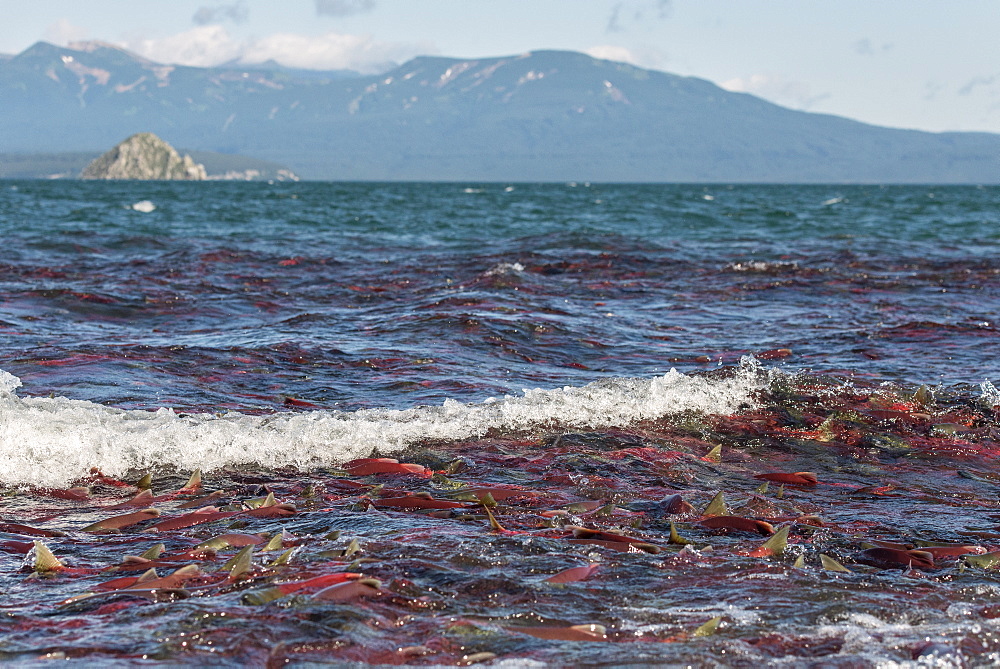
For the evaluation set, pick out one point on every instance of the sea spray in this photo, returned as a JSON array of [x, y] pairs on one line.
[[50, 442]]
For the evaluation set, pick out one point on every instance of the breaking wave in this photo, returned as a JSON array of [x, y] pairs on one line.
[[50, 442]]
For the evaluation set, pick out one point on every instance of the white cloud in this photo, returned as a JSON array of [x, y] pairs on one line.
[[63, 32], [205, 46], [795, 94], [201, 47], [647, 58], [332, 51]]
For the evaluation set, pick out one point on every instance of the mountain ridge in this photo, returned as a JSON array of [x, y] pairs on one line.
[[545, 115]]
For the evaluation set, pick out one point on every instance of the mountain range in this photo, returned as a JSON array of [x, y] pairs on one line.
[[539, 116]]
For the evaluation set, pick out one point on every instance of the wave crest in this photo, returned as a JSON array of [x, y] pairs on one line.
[[50, 442]]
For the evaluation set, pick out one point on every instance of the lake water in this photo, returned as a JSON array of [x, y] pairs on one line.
[[574, 342]]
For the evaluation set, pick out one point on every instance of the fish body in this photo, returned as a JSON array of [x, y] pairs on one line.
[[738, 523]]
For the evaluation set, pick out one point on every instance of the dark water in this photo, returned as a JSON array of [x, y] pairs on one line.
[[513, 338], [391, 295]]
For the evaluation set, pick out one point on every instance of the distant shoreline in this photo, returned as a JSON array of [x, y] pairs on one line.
[[68, 165]]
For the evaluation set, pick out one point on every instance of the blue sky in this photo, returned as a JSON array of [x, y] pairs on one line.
[[931, 65]]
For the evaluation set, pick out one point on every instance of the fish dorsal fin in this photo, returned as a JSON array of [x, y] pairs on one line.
[[708, 629], [154, 552], [240, 563], [778, 542], [274, 543], [494, 524], [676, 538], [188, 571], [284, 557], [830, 564], [215, 544], [717, 507], [45, 560], [352, 548], [194, 483]]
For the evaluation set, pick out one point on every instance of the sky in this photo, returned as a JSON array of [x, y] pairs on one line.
[[929, 65]]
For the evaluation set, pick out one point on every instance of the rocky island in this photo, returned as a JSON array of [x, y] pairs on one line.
[[147, 157]]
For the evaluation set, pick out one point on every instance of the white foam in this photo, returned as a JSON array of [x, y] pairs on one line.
[[988, 394], [505, 268], [50, 442], [9, 382]]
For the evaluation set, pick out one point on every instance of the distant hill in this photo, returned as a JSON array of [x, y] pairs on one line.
[[541, 116]]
